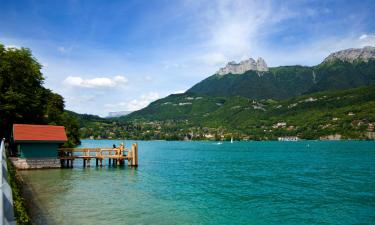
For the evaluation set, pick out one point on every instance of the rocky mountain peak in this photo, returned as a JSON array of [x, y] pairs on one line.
[[243, 66], [261, 65], [352, 54]]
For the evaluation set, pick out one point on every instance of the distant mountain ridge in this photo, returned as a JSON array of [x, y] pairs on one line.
[[340, 70], [118, 114], [352, 54]]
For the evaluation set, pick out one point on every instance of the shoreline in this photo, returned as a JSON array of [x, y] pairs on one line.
[[87, 139]]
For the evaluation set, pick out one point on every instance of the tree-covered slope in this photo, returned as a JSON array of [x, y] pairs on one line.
[[339, 75], [289, 81], [278, 83], [350, 113]]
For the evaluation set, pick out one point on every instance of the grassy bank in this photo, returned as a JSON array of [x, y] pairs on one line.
[[19, 203]]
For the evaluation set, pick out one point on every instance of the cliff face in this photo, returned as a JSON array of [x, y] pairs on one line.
[[352, 54], [243, 66]]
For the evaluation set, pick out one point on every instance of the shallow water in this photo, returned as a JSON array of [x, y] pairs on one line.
[[206, 183]]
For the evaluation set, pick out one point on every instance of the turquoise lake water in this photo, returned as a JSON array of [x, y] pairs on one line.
[[307, 182]]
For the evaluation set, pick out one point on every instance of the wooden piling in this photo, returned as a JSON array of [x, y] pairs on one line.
[[134, 155], [130, 153]]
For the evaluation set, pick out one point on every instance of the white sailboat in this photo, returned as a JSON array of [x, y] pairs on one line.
[[231, 140]]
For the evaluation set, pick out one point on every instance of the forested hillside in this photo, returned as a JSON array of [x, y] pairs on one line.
[[289, 81], [347, 114]]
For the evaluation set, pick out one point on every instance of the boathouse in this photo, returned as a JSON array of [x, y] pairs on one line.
[[37, 146]]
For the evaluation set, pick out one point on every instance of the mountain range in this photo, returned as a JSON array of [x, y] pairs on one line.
[[341, 70], [248, 100]]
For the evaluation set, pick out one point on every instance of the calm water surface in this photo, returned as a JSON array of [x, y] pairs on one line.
[[206, 183]]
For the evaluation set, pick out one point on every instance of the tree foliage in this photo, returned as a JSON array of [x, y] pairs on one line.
[[23, 98]]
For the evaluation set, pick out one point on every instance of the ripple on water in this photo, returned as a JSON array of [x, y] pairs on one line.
[[204, 183]]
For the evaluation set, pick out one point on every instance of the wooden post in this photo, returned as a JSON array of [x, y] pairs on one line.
[[130, 153], [97, 161], [109, 161], [84, 162], [136, 155]]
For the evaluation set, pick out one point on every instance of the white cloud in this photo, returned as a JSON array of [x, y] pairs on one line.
[[135, 104], [233, 30], [120, 79], [363, 36], [367, 40], [98, 82]]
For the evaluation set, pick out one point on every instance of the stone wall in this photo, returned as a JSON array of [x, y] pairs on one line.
[[35, 163]]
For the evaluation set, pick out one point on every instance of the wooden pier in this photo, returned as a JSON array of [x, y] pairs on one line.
[[115, 156]]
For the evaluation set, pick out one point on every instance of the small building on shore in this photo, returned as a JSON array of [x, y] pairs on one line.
[[37, 146], [288, 138]]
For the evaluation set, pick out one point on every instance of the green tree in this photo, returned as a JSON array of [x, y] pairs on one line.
[[23, 98]]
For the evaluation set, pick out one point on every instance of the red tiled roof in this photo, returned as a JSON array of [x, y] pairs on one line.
[[27, 132]]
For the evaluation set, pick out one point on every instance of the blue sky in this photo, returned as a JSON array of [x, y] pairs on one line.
[[106, 56]]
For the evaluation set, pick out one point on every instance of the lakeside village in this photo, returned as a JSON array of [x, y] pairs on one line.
[[184, 130]]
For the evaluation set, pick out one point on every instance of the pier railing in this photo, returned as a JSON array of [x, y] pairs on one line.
[[6, 199], [116, 155]]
